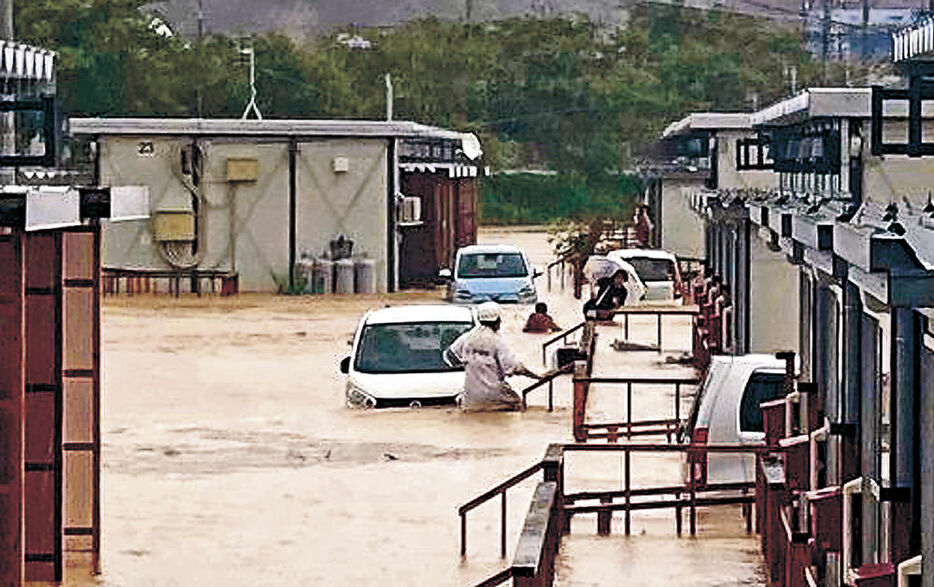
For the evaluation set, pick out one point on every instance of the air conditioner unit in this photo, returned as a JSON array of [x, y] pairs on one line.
[[411, 210]]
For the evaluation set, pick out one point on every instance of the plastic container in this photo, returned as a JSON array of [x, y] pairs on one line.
[[304, 269], [365, 275], [343, 276], [322, 277]]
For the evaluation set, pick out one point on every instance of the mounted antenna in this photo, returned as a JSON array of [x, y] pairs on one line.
[[252, 104]]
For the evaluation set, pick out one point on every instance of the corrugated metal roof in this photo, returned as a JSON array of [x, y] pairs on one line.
[[238, 127]]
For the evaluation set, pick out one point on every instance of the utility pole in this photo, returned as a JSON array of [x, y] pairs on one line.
[[825, 39], [6, 20], [8, 138], [864, 41], [200, 19], [199, 106]]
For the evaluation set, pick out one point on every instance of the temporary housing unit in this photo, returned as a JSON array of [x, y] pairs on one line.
[[253, 196], [695, 152], [852, 216]]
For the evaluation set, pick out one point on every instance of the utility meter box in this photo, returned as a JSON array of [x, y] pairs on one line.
[[174, 225], [242, 169]]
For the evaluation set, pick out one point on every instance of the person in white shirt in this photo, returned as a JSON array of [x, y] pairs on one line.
[[487, 362]]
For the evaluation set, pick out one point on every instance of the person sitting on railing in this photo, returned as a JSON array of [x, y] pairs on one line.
[[611, 294], [539, 321], [487, 362]]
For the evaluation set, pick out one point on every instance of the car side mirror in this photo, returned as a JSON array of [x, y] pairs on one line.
[[537, 272], [444, 274], [345, 365]]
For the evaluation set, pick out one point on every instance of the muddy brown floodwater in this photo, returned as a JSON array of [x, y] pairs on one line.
[[229, 457]]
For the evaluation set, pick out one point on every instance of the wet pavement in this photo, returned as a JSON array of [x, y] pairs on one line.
[[230, 458]]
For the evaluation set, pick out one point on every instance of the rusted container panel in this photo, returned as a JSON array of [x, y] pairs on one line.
[[12, 356], [79, 416], [41, 535], [81, 392], [78, 254], [41, 339], [79, 489], [42, 261], [43, 477], [40, 429], [78, 325]]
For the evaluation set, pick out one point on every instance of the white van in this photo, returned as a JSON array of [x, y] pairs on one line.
[[726, 411], [657, 269]]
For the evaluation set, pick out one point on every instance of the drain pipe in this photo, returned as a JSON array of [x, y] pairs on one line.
[[860, 485], [819, 435], [907, 568]]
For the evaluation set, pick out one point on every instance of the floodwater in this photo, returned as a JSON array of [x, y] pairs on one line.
[[229, 457]]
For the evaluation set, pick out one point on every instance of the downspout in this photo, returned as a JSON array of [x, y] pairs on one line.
[[904, 438], [852, 377], [293, 152], [391, 216]]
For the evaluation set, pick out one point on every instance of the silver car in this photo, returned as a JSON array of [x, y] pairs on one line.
[[499, 273]]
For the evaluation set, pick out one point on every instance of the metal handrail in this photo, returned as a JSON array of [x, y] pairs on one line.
[[563, 336], [497, 579], [486, 496], [549, 379], [629, 427]]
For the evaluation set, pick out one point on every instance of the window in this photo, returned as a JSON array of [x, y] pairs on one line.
[[653, 269], [407, 347], [762, 387], [492, 265]]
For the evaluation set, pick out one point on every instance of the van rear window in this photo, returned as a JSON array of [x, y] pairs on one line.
[[762, 387]]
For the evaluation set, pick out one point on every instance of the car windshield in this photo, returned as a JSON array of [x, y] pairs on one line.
[[653, 269], [407, 347], [492, 265]]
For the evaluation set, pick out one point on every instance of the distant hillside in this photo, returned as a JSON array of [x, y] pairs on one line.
[[308, 17]]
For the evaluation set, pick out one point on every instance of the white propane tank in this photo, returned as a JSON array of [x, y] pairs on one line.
[[343, 276], [304, 267], [323, 276], [365, 274]]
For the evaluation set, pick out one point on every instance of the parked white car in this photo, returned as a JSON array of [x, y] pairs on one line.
[[657, 269], [499, 273], [396, 356], [726, 411]]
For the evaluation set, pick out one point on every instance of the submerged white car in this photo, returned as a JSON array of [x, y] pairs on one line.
[[657, 269], [396, 357]]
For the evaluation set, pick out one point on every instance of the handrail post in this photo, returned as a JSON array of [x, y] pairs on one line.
[[502, 527], [658, 321], [464, 534], [628, 490], [629, 411], [580, 401]]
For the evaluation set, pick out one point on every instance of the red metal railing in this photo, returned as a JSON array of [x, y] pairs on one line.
[[613, 431]]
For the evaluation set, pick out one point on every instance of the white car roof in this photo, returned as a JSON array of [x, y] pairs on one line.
[[649, 253], [420, 313], [481, 249], [754, 360]]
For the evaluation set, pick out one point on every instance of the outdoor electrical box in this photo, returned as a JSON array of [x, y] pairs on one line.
[[242, 169], [340, 165], [174, 225]]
